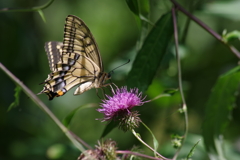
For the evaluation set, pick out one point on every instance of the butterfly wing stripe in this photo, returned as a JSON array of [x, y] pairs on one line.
[[77, 37], [70, 83], [80, 69], [67, 78], [54, 52], [60, 74], [77, 75], [82, 62], [67, 82]]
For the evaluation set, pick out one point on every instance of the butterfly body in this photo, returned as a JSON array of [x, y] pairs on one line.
[[76, 61]]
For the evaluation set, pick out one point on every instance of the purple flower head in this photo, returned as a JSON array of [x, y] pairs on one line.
[[120, 103]]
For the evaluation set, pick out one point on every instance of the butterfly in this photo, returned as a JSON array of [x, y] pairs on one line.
[[76, 61]]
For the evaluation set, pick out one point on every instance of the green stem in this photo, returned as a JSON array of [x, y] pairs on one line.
[[28, 9], [37, 101], [149, 147], [184, 106], [161, 95]]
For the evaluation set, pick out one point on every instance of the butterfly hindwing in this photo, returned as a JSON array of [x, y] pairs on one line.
[[54, 52]]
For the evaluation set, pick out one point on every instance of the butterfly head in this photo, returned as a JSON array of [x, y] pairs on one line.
[[109, 75]]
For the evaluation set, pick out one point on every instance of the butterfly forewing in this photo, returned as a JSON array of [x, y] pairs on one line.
[[79, 39], [76, 61]]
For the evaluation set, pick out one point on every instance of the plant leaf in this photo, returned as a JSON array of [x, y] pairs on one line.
[[110, 126], [190, 154], [231, 36], [150, 55], [66, 121], [141, 10], [17, 90], [42, 15], [218, 110], [139, 7], [133, 6]]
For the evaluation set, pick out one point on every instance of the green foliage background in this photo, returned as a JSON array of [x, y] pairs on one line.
[[28, 133]]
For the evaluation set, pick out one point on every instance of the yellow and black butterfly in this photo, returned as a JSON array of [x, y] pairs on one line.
[[76, 61]]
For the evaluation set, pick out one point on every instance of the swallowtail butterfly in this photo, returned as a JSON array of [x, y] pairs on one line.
[[76, 61]]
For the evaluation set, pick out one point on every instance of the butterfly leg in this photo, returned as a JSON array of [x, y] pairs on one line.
[[103, 92], [97, 93]]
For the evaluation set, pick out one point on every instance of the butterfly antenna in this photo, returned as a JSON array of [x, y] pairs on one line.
[[112, 71]]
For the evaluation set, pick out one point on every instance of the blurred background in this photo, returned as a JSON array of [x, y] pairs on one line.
[[26, 132]]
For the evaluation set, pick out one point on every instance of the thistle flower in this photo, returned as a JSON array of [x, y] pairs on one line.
[[104, 151], [118, 107]]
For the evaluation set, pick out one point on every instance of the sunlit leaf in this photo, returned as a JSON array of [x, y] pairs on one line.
[[150, 55], [16, 95], [231, 36], [66, 121], [218, 112]]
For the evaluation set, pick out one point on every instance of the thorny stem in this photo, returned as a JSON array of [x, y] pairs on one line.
[[184, 106], [138, 137], [37, 101], [204, 26], [28, 9]]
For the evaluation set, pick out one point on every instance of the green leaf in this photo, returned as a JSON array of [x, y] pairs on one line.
[[230, 36], [66, 121], [42, 15], [110, 126], [190, 154], [218, 112], [139, 7], [133, 6], [149, 57], [141, 10], [17, 90]]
